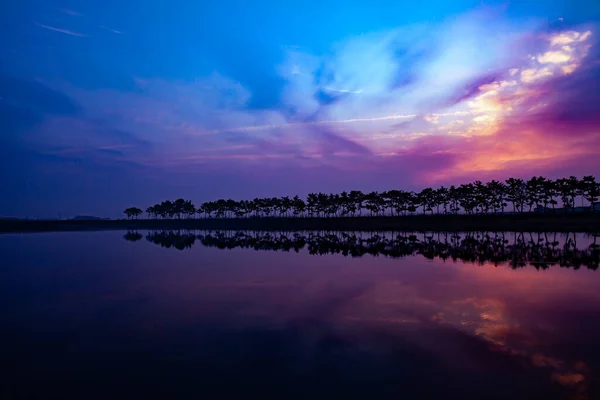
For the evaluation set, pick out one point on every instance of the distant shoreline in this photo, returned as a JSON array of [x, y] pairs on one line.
[[586, 222]]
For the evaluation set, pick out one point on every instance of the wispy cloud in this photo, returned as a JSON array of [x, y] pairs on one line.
[[65, 31], [71, 12], [87, 149], [330, 89], [111, 30], [311, 123]]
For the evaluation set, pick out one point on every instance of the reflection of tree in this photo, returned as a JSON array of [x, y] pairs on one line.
[[170, 239], [133, 236], [540, 250]]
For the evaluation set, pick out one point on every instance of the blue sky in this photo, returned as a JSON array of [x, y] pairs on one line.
[[110, 104]]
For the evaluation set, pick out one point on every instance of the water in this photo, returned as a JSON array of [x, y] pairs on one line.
[[129, 315]]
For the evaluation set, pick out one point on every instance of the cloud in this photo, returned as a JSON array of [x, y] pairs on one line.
[[472, 87], [434, 119], [291, 125], [330, 89], [213, 110], [480, 96], [533, 74], [27, 103], [71, 12], [554, 57], [556, 139], [568, 37], [111, 30], [331, 143], [36, 95], [66, 32]]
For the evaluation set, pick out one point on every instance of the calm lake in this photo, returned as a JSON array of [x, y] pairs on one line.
[[299, 315]]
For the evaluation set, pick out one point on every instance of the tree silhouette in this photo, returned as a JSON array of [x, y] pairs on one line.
[[516, 193], [476, 198], [132, 212], [591, 190]]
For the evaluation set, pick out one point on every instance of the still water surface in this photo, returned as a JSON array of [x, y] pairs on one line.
[[129, 315]]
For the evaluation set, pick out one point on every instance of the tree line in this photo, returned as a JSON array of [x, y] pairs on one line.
[[518, 250], [515, 195]]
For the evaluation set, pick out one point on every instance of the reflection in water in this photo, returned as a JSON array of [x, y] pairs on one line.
[[90, 315], [540, 250], [133, 236]]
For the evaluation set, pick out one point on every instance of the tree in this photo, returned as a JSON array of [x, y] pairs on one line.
[[426, 199], [580, 190], [482, 197], [496, 192], [311, 204], [132, 212], [472, 198], [298, 206], [591, 190], [549, 192], [151, 211], [534, 188], [563, 189], [179, 207], [322, 203], [516, 193], [356, 199], [333, 204], [373, 203], [574, 185], [188, 209], [344, 203], [466, 195], [284, 205], [167, 209], [442, 198], [241, 208], [454, 198]]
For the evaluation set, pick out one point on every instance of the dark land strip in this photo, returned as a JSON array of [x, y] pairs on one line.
[[584, 222]]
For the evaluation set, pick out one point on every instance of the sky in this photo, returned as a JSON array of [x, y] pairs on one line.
[[111, 104]]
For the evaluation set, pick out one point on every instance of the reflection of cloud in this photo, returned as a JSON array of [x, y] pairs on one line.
[[541, 360], [489, 319], [569, 379], [503, 325]]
